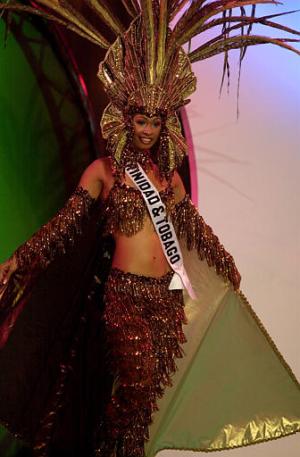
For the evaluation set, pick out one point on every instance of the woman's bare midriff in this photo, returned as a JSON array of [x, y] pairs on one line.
[[141, 254]]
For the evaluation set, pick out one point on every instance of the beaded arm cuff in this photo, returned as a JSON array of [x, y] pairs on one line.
[[190, 225], [58, 235]]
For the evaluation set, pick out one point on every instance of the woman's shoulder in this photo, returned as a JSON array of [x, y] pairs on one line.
[[96, 176], [100, 168]]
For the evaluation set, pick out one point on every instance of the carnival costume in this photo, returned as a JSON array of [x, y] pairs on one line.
[[200, 373]]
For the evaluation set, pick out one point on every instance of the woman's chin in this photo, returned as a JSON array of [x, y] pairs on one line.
[[142, 147]]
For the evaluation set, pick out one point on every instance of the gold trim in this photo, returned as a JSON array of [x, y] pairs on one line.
[[230, 448]]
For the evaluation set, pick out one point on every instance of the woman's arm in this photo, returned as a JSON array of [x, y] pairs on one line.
[[58, 235], [93, 177], [198, 235]]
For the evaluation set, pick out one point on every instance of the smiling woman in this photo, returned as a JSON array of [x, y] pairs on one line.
[[146, 131], [228, 386]]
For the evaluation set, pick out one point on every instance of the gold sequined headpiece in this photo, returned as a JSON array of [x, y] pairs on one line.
[[139, 76], [146, 68]]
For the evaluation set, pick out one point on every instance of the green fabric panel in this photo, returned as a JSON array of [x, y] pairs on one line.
[[237, 391], [31, 179]]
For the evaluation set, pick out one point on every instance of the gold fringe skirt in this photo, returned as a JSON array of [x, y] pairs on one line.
[[143, 320]]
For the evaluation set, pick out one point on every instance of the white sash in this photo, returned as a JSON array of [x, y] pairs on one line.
[[164, 228]]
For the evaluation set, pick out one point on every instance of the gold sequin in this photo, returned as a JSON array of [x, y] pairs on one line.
[[198, 235], [143, 320], [58, 235], [125, 209]]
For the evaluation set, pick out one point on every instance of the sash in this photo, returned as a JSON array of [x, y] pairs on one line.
[[164, 228]]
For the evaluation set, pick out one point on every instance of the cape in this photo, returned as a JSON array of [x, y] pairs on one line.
[[55, 383], [232, 388]]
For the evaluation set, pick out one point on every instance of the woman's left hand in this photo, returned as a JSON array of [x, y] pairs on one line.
[[7, 268]]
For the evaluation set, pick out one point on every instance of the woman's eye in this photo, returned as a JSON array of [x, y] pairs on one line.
[[140, 122], [157, 124]]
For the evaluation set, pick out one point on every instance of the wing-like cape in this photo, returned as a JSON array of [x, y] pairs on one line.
[[54, 385], [233, 387]]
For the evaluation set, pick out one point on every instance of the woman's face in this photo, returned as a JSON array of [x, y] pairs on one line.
[[146, 131]]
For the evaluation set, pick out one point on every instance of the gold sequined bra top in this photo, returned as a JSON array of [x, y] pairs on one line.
[[125, 209]]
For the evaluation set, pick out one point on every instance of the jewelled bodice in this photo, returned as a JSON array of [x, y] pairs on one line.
[[126, 210]]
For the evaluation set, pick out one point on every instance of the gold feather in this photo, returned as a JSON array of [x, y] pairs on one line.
[[150, 32], [132, 7], [237, 42], [161, 39], [100, 7]]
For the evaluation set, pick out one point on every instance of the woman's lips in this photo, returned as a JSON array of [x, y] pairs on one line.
[[145, 140]]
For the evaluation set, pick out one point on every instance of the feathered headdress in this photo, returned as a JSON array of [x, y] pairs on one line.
[[146, 68]]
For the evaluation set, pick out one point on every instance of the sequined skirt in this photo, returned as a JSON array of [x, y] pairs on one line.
[[143, 321]]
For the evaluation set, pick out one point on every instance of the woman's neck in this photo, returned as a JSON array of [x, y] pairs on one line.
[[142, 157]]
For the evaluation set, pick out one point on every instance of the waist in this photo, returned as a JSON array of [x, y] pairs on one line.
[[138, 285], [141, 253]]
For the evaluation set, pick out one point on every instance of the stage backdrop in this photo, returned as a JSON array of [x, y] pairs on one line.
[[248, 175], [44, 142], [248, 188]]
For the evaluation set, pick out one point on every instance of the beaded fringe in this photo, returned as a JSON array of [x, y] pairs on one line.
[[143, 319], [198, 235], [125, 210], [58, 235]]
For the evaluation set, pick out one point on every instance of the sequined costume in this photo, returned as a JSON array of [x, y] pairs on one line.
[[146, 70], [208, 265], [57, 236], [137, 309], [130, 411], [143, 320], [125, 210]]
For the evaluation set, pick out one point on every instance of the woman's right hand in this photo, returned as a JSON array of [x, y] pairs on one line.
[[7, 268]]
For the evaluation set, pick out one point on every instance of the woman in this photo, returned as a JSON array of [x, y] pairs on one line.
[[147, 76], [138, 335]]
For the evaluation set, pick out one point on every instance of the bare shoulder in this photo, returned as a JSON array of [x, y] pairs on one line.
[[105, 166], [95, 176], [99, 168]]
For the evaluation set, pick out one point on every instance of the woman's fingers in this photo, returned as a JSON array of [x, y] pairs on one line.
[[6, 270], [3, 273]]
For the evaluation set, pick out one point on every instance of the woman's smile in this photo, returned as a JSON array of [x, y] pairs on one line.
[[145, 139], [146, 131]]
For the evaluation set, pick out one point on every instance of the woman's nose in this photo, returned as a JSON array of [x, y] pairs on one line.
[[148, 129]]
